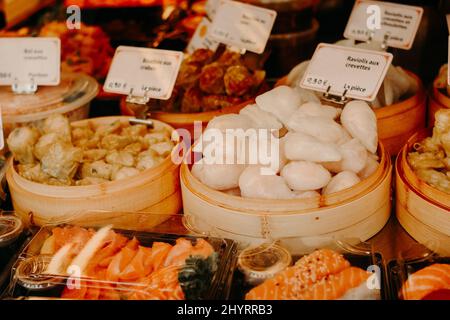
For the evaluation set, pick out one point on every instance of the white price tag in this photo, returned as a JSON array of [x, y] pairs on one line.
[[30, 60], [143, 72], [357, 72], [394, 24], [201, 38], [211, 8], [242, 25]]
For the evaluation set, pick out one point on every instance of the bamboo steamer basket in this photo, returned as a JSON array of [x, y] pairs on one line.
[[186, 120], [397, 122], [153, 191], [422, 210], [356, 213]]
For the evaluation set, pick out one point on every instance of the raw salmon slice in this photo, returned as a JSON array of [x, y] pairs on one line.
[[160, 250], [287, 284], [425, 281]]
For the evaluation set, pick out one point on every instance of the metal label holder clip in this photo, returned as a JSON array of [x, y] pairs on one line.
[[341, 100], [386, 37], [142, 100], [29, 87]]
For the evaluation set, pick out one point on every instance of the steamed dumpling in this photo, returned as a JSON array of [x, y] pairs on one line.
[[305, 175], [260, 118], [301, 146], [317, 110], [21, 142], [230, 121], [218, 176], [370, 167], [57, 123], [253, 184], [281, 102], [354, 158], [341, 181], [322, 128], [360, 121]]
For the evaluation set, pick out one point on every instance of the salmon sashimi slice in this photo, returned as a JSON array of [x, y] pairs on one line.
[[139, 267], [75, 293], [335, 286], [113, 244], [179, 253], [120, 261], [71, 234], [160, 250], [309, 269], [425, 281]]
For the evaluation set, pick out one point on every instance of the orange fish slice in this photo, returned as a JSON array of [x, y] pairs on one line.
[[425, 281], [287, 284], [121, 261], [179, 253], [334, 286], [160, 250], [139, 267]]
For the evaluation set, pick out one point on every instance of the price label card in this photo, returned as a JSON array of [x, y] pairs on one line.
[[336, 69], [242, 25], [30, 60], [201, 38], [395, 24], [211, 8], [143, 72]]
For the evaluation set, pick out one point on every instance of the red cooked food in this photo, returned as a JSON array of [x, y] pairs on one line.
[[206, 83]]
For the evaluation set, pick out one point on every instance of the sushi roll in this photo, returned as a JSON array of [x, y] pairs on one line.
[[322, 275]]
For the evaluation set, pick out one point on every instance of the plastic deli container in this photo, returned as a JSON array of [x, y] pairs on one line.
[[342, 272], [13, 236], [81, 260], [71, 97], [424, 278]]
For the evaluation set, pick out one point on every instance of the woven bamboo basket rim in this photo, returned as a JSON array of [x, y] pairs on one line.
[[370, 183], [52, 191]]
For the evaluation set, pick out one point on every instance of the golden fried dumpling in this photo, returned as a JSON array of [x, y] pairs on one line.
[[125, 172], [137, 130], [147, 159], [94, 154], [163, 149], [44, 143], [57, 123], [62, 160], [97, 169], [435, 178], [120, 157], [90, 181], [33, 172], [115, 141], [82, 133], [21, 142]]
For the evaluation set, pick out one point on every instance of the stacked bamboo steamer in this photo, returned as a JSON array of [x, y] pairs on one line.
[[423, 211], [155, 192], [355, 214], [397, 122], [439, 97]]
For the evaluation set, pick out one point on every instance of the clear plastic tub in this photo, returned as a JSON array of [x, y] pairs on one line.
[[104, 260], [340, 272], [13, 237], [71, 97]]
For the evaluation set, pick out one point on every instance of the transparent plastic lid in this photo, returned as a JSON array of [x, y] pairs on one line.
[[98, 256], [10, 229], [74, 89]]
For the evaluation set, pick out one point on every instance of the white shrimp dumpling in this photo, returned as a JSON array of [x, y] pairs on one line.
[[360, 121], [370, 167], [44, 143], [322, 128], [261, 119], [305, 175], [315, 109], [341, 181], [281, 102], [218, 176], [253, 184], [230, 121], [301, 146], [354, 158], [306, 194]]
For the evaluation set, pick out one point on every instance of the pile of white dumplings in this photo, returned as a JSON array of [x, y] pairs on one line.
[[322, 149]]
